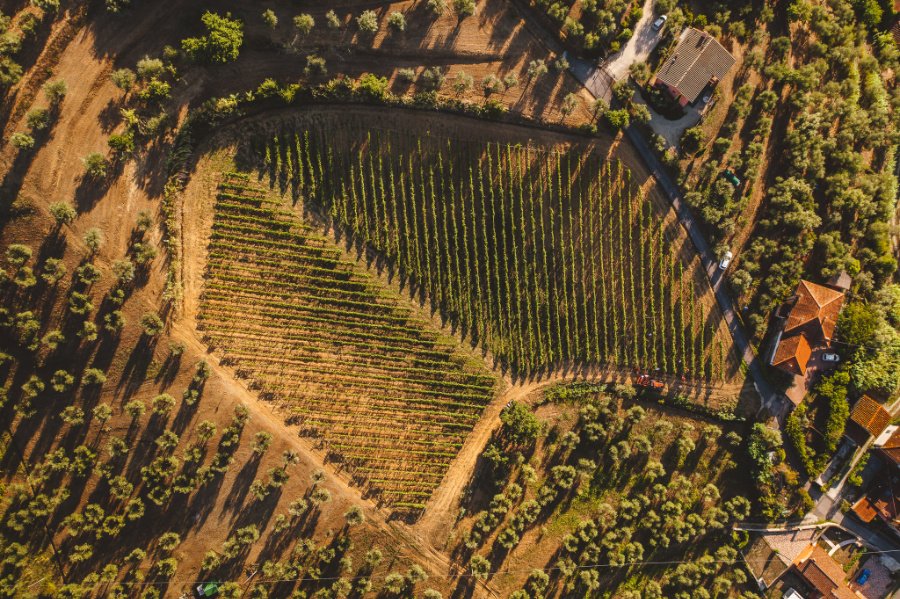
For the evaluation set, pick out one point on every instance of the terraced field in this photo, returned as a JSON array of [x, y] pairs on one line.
[[342, 355]]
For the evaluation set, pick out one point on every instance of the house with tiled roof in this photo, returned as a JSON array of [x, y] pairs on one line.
[[698, 61], [867, 419], [792, 354], [810, 322], [823, 574], [881, 502], [815, 311]]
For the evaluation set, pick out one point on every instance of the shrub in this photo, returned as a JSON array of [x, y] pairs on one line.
[[270, 18], [520, 423], [536, 69], [93, 376], [150, 68], [304, 23], [332, 20], [152, 324], [397, 21], [63, 213], [93, 239], [491, 84], [437, 7], [462, 82], [617, 119], [121, 144], [21, 141], [433, 78], [315, 66], [367, 22], [55, 91], [95, 165], [464, 8], [61, 381], [38, 119], [124, 79], [221, 44]]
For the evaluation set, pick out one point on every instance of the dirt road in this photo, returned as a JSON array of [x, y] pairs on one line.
[[638, 47]]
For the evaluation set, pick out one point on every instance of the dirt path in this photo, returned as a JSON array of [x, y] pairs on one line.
[[423, 551]]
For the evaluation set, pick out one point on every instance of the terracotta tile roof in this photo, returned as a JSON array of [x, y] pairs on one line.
[[825, 575], [815, 304], [864, 510], [891, 447], [870, 415], [792, 354], [698, 59], [896, 30]]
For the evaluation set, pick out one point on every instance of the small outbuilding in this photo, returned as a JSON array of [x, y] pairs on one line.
[[698, 62]]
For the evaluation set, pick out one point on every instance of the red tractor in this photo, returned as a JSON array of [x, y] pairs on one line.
[[644, 380]]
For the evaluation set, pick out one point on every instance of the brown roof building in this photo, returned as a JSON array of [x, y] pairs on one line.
[[890, 449], [824, 575], [810, 321], [867, 419], [699, 60], [881, 501], [815, 311], [792, 354]]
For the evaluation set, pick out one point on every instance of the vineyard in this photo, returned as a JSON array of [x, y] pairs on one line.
[[347, 360], [546, 258]]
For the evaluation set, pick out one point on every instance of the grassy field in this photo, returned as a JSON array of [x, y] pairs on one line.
[[547, 258], [344, 357]]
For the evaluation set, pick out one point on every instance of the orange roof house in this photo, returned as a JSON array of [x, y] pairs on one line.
[[815, 311], [824, 575], [811, 321], [867, 419], [792, 354]]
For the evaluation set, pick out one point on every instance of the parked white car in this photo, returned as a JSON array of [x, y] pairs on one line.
[[831, 357], [658, 23], [726, 260]]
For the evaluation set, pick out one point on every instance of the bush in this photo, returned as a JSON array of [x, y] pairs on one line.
[[397, 21], [95, 165], [124, 79], [221, 44], [63, 213], [93, 239], [22, 141], [121, 144], [437, 7], [55, 91], [332, 20], [692, 140], [150, 68], [270, 18], [367, 22], [520, 423], [617, 119], [152, 324], [38, 119], [304, 23], [464, 8]]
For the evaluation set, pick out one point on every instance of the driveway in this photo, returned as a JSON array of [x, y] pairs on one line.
[[636, 49], [670, 129]]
